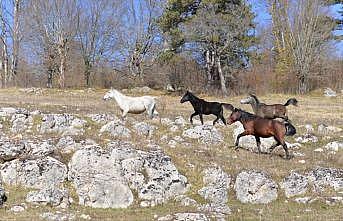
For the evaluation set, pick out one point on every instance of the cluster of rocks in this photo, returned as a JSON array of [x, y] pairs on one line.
[[119, 174], [317, 180], [32, 90]]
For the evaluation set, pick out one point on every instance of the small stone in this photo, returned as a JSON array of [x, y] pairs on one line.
[[318, 150]]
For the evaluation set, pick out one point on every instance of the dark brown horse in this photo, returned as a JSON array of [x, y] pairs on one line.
[[262, 127], [269, 111], [202, 107]]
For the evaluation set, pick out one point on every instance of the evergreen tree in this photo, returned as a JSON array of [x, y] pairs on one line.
[[220, 31]]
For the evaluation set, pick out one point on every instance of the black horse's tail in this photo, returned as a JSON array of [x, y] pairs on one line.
[[292, 101], [290, 129], [227, 106]]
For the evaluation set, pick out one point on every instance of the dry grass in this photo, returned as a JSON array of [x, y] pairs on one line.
[[313, 109]]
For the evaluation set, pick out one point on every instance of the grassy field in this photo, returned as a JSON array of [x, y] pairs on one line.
[[313, 109]]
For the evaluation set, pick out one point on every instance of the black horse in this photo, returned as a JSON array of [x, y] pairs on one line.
[[201, 107]]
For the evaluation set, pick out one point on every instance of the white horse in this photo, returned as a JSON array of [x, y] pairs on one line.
[[134, 105]]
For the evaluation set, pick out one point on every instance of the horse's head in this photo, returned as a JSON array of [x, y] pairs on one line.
[[109, 94], [248, 100], [186, 97], [235, 116]]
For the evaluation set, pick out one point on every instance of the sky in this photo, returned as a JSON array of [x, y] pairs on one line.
[[264, 18]]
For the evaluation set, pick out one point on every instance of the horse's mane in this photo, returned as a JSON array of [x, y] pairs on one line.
[[256, 99], [195, 97], [246, 115]]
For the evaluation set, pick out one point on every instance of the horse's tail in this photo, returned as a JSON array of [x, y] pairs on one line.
[[227, 106], [292, 101], [290, 129]]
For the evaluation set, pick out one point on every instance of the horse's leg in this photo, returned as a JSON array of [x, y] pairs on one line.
[[191, 118], [274, 145], [284, 145], [124, 113], [258, 142], [215, 121], [239, 136], [223, 119], [151, 110], [202, 120]]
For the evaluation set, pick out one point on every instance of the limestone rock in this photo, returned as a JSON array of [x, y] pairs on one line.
[[216, 185], [37, 173], [144, 129], [207, 134], [328, 130], [184, 217], [321, 177], [334, 146], [295, 184], [116, 129], [255, 187], [328, 92], [48, 196]]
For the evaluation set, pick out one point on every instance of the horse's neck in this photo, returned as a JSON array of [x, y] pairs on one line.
[[120, 98], [255, 105], [194, 100]]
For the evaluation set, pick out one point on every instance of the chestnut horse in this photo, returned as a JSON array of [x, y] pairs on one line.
[[269, 110], [262, 127]]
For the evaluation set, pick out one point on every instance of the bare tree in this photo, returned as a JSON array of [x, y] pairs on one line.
[[301, 30], [10, 18], [141, 33], [98, 27], [54, 22]]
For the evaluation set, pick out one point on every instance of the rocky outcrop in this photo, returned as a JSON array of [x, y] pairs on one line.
[[328, 92], [35, 173], [57, 216], [144, 129], [216, 192], [102, 118], [64, 124], [207, 134], [307, 138], [334, 146], [115, 129], [255, 187], [21, 123], [321, 177], [295, 184], [328, 130], [49, 196], [216, 185], [11, 149], [106, 178], [184, 216], [98, 180]]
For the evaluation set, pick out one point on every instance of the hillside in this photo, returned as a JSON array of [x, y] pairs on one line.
[[68, 155]]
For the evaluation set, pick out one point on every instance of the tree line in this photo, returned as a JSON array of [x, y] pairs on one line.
[[209, 45]]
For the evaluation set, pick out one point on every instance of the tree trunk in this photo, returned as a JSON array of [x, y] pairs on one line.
[[222, 78], [303, 84], [15, 55], [210, 67], [6, 68], [61, 80], [50, 75], [87, 72]]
